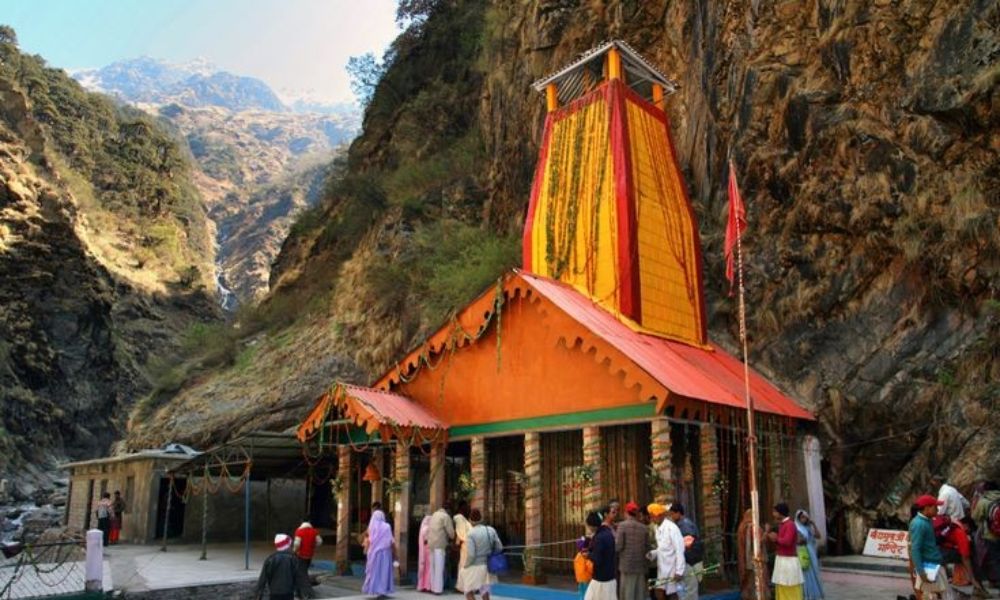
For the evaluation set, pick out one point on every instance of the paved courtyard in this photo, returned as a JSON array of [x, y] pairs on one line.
[[137, 568]]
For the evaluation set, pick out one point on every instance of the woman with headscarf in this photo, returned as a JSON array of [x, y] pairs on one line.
[[424, 557], [812, 588], [744, 555], [381, 554], [462, 528], [787, 576]]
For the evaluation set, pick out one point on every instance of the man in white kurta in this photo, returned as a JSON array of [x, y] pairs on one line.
[[669, 552], [955, 505]]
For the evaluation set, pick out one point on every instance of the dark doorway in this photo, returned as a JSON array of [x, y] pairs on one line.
[[457, 462], [90, 505], [175, 524]]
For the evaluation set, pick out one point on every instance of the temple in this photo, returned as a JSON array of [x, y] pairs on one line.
[[584, 376]]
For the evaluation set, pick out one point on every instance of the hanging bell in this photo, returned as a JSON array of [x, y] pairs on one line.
[[371, 473]]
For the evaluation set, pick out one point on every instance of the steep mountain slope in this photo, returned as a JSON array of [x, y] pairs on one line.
[[105, 258], [254, 157], [866, 136]]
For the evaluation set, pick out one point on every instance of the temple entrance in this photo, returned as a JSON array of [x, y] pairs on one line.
[[563, 511], [504, 508], [626, 457]]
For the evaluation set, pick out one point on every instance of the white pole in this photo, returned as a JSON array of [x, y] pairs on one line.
[[94, 569]]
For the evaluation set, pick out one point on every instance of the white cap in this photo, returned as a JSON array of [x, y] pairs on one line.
[[282, 542]]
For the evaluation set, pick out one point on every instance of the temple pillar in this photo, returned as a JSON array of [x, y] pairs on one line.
[[711, 480], [400, 498], [344, 461], [659, 440], [532, 504], [593, 496], [478, 459], [437, 476]]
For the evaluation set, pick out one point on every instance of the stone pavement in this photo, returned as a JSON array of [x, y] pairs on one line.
[[141, 568]]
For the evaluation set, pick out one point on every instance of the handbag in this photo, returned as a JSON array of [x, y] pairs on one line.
[[497, 561], [804, 560]]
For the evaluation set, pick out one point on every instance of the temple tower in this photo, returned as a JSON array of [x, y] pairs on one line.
[[609, 212]]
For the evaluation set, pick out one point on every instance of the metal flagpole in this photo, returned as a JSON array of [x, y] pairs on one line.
[[758, 558]]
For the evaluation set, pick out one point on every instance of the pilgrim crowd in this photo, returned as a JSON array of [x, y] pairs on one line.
[[657, 552]]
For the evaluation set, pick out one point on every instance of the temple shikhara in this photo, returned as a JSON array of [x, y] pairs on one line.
[[587, 374]]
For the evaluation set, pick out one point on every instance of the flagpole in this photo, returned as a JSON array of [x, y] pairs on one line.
[[760, 586]]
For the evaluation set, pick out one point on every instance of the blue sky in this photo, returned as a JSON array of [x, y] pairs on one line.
[[296, 46]]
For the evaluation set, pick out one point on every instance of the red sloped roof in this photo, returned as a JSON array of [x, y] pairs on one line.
[[376, 407], [708, 374], [374, 410]]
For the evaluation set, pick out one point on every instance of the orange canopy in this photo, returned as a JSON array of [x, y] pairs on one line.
[[373, 410]]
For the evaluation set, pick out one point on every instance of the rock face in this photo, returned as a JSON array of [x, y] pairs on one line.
[[258, 170], [866, 139]]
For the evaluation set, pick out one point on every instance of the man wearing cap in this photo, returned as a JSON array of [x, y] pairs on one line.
[[694, 549], [281, 574], [925, 555], [669, 554], [631, 545]]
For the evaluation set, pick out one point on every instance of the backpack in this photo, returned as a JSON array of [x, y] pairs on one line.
[[993, 518], [583, 568], [102, 511]]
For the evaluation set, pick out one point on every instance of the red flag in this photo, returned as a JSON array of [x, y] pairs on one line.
[[735, 226]]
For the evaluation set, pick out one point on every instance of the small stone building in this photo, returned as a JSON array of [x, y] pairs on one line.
[[140, 477]]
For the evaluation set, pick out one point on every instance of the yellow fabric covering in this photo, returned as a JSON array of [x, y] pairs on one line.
[[573, 239], [668, 258]]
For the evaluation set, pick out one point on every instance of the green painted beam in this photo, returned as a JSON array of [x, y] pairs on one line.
[[622, 413]]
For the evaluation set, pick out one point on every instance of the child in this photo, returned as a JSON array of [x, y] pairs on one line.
[[582, 567]]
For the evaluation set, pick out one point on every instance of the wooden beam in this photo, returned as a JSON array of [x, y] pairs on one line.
[[551, 97], [658, 97], [614, 64]]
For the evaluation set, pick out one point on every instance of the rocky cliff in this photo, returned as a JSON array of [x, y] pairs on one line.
[[258, 164], [102, 259], [866, 138]]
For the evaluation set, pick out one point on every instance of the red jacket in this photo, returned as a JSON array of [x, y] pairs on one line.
[[307, 541], [788, 538]]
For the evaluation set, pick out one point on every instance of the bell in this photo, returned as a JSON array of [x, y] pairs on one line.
[[371, 473]]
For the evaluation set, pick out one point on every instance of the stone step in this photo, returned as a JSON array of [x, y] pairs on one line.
[[866, 564]]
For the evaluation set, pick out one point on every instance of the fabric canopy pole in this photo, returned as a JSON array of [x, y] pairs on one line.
[[204, 518], [246, 522]]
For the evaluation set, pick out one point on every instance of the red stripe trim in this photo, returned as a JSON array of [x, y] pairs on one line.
[[630, 302], [536, 189]]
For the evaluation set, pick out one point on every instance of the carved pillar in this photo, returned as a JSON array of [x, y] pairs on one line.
[[711, 519], [379, 486], [593, 497], [437, 476], [532, 504], [343, 509], [661, 459], [401, 505], [479, 459]]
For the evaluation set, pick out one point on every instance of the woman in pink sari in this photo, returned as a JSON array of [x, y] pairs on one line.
[[424, 557], [381, 554]]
